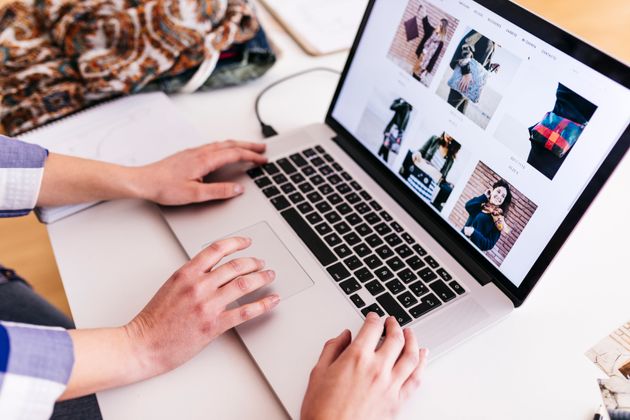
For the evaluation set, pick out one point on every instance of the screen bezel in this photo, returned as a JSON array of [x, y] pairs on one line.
[[461, 249]]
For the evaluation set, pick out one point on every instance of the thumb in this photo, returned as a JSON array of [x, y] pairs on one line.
[[218, 191]]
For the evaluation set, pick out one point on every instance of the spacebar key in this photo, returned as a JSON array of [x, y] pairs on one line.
[[310, 238]]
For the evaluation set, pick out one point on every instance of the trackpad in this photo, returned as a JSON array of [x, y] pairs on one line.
[[290, 277]]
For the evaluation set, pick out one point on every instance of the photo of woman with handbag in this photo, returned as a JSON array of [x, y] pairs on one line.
[[429, 47], [395, 129]]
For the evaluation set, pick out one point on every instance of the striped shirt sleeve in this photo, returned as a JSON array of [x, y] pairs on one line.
[[21, 172], [35, 366]]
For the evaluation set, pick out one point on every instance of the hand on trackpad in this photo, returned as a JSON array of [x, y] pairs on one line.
[[290, 277]]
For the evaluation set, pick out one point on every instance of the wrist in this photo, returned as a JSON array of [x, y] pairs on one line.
[[135, 183]]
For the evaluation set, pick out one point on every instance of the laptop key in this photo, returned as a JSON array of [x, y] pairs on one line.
[[308, 170], [314, 197], [325, 189], [362, 208], [406, 275], [271, 191], [352, 262], [403, 251], [352, 239], [395, 286], [297, 178], [334, 199], [372, 261], [442, 290], [393, 308], [318, 161], [363, 275], [280, 203], [323, 207], [444, 274], [397, 228], [342, 228], [279, 179], [325, 170], [386, 216], [332, 239], [407, 299], [407, 238], [415, 263], [431, 261], [418, 288], [384, 252], [287, 188], [337, 167], [383, 273], [373, 308], [356, 185], [314, 218], [350, 286], [308, 236], [298, 159], [334, 179], [392, 239], [323, 228], [372, 218], [419, 250], [346, 176], [255, 172], [271, 168], [306, 187], [427, 303], [344, 209], [263, 182], [358, 302], [395, 263], [309, 152], [332, 217], [427, 274], [338, 272], [363, 229], [305, 208], [296, 197], [286, 166], [316, 179], [457, 287], [343, 188], [353, 198], [374, 240], [374, 287], [365, 195], [362, 250], [320, 149], [328, 158], [354, 219], [342, 251], [382, 229]]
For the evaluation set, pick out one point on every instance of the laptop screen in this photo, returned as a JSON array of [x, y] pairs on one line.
[[490, 127]]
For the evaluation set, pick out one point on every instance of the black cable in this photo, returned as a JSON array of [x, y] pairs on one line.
[[268, 130]]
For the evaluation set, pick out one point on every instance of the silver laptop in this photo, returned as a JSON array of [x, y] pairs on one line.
[[463, 144]]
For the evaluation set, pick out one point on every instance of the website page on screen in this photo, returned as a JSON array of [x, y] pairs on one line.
[[494, 129]]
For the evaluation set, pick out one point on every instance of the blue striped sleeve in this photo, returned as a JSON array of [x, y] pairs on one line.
[[21, 172]]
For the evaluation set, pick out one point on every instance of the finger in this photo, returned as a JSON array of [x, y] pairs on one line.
[[393, 343], [219, 159], [370, 332], [232, 269], [413, 382], [243, 285], [409, 359], [216, 251], [256, 147], [334, 347], [232, 318], [217, 191]]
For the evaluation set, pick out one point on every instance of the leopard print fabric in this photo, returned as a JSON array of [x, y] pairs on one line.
[[60, 56]]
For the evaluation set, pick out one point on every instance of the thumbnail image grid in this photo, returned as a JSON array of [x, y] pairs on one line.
[[491, 213], [478, 72], [421, 40]]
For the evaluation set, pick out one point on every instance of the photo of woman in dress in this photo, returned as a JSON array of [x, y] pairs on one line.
[[430, 46], [487, 212]]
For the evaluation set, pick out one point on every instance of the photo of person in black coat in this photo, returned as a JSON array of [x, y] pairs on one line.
[[430, 46], [395, 129], [487, 212]]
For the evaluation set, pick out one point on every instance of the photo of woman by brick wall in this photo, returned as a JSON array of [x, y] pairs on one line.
[[421, 39], [491, 213]]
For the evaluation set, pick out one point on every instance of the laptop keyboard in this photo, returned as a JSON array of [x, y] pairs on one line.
[[379, 266]]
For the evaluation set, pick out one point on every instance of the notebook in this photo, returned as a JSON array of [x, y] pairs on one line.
[[132, 131], [320, 27]]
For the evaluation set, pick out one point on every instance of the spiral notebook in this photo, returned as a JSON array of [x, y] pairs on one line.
[[132, 131]]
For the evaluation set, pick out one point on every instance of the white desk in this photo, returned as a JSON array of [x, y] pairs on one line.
[[113, 257]]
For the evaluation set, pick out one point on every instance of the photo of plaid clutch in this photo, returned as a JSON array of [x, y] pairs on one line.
[[556, 134]]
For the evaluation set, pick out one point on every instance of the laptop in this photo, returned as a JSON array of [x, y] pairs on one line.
[[454, 162]]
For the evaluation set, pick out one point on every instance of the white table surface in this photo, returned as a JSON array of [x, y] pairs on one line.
[[113, 257]]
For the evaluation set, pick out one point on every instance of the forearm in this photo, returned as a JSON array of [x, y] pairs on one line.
[[105, 358], [69, 180]]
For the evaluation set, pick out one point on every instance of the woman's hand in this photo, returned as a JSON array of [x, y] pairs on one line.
[[362, 380], [469, 230], [465, 82], [178, 179], [188, 312]]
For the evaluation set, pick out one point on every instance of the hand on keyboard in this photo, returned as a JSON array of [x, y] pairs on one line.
[[362, 380]]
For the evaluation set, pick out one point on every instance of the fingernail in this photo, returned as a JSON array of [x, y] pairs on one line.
[[425, 351], [248, 240], [271, 274], [275, 299], [261, 262], [372, 315], [238, 189]]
